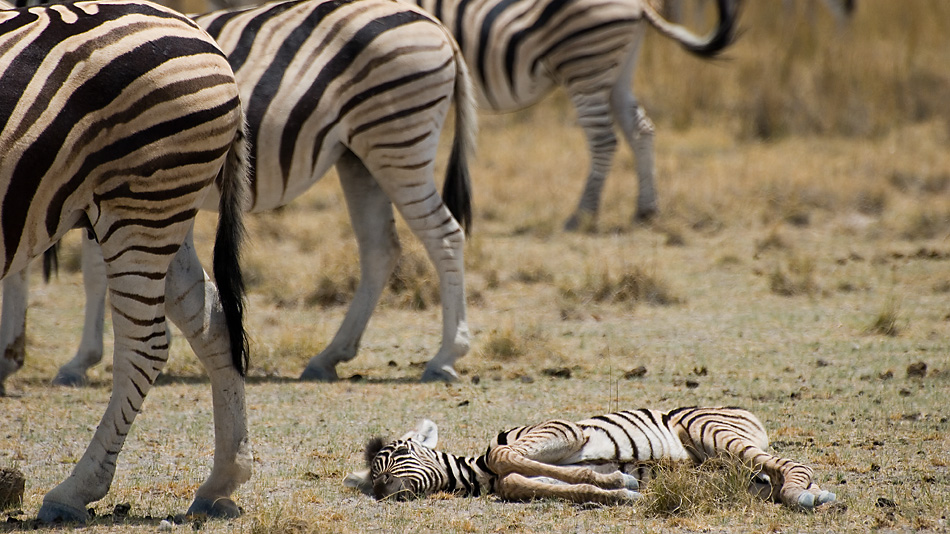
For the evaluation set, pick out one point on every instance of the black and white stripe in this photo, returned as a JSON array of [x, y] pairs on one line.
[[117, 117], [363, 85], [602, 459], [519, 50]]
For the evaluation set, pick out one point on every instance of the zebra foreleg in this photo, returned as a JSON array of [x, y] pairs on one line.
[[13, 325], [515, 487], [373, 222], [192, 303], [73, 373]]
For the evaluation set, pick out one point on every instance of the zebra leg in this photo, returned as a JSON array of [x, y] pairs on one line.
[[593, 114], [638, 130], [137, 288], [541, 452], [516, 487], [73, 373], [371, 214], [13, 325], [192, 303], [431, 222]]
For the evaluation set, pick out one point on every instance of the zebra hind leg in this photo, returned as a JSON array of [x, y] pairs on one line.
[[193, 304], [138, 289], [593, 114], [371, 214]]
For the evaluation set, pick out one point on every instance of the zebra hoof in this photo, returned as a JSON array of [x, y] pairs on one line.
[[70, 379], [806, 501], [440, 374], [645, 216], [826, 497], [316, 373], [632, 496], [222, 508], [54, 512], [630, 482]]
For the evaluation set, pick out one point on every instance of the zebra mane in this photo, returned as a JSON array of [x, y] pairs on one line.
[[373, 446]]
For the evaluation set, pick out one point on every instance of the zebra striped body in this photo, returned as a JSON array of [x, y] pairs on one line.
[[603, 459], [117, 117], [520, 50], [365, 86]]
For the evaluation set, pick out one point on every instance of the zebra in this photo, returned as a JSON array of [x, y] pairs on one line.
[[363, 85], [604, 459], [116, 117], [519, 51]]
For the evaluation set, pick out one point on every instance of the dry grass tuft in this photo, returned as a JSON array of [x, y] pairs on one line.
[[414, 283], [631, 286], [887, 320], [796, 277], [682, 489], [508, 343]]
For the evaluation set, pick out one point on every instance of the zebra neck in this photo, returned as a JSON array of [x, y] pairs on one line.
[[467, 475]]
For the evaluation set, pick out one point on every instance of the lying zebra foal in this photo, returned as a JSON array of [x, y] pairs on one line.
[[602, 459]]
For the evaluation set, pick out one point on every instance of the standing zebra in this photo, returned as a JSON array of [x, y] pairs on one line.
[[117, 117], [604, 459], [520, 50], [365, 86]]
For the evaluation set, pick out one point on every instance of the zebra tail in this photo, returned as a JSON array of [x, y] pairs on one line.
[[721, 37], [457, 189], [50, 258], [233, 184]]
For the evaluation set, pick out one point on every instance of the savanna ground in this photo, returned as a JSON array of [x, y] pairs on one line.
[[800, 268]]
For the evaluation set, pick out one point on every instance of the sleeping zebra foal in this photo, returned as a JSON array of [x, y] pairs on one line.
[[117, 117], [365, 86], [520, 50], [604, 459]]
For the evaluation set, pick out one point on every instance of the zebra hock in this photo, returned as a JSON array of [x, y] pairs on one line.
[[365, 86], [605, 459], [97, 101], [520, 51]]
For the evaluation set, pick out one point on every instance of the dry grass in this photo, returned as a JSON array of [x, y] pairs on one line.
[[854, 219]]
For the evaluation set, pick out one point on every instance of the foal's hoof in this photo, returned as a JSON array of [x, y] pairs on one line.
[[223, 508], [630, 482], [54, 512]]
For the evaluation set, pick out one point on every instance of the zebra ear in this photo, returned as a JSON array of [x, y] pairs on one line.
[[359, 480], [426, 433]]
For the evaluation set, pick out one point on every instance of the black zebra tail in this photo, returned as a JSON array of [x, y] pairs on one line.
[[51, 262], [721, 37], [233, 184], [457, 189]]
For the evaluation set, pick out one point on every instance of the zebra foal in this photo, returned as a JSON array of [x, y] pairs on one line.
[[117, 117], [604, 459], [520, 50], [362, 85]]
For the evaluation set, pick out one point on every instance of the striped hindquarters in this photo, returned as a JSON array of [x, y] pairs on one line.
[[709, 432], [322, 77], [113, 116]]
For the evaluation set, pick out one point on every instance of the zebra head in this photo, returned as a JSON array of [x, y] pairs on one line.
[[403, 469]]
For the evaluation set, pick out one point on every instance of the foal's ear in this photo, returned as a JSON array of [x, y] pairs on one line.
[[426, 433], [359, 480]]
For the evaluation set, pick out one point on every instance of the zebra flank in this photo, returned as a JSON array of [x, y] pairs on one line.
[[521, 50], [118, 117], [603, 459]]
